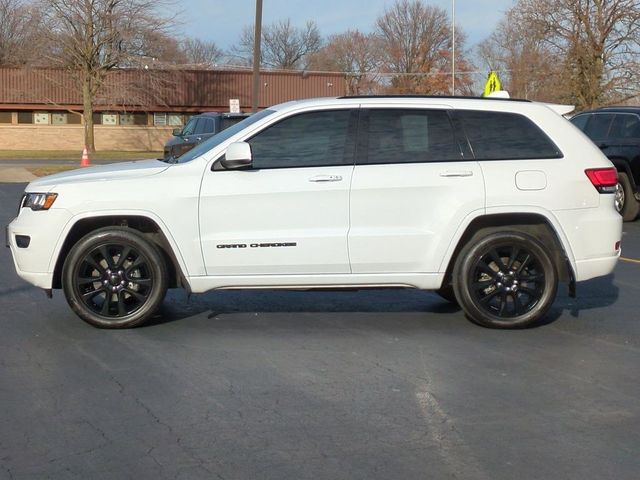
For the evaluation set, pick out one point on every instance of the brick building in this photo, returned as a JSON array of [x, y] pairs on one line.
[[136, 110]]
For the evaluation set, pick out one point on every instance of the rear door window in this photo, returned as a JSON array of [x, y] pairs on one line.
[[505, 136], [407, 136], [625, 126], [599, 125], [205, 125], [580, 121]]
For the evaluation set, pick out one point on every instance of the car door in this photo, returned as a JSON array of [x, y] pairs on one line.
[[413, 185], [289, 213], [597, 128], [623, 141], [190, 134], [205, 129]]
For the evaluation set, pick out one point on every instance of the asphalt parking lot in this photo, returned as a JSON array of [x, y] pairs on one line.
[[332, 385]]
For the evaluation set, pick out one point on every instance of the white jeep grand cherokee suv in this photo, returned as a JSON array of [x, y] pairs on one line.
[[489, 202]]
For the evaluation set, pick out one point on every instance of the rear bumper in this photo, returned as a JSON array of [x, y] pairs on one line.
[[595, 267], [592, 235]]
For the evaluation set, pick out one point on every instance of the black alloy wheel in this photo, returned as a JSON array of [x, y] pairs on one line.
[[505, 280], [114, 278]]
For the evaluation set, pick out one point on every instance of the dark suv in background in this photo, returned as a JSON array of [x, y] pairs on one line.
[[198, 129], [616, 130]]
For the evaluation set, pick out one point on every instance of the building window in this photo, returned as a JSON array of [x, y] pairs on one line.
[[58, 118], [133, 119], [25, 117], [175, 120], [41, 118], [74, 119], [5, 117], [160, 119], [126, 119], [109, 119]]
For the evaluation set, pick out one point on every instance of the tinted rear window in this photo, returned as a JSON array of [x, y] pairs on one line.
[[205, 125], [598, 126], [580, 121], [228, 121], [505, 136], [625, 125]]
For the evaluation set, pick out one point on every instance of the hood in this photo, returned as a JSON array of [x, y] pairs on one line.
[[112, 171]]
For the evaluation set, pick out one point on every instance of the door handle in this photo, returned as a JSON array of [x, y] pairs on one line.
[[326, 178], [462, 173]]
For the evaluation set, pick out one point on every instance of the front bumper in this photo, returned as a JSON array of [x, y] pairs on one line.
[[36, 262]]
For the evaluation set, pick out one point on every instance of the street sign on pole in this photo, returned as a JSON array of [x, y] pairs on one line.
[[234, 105]]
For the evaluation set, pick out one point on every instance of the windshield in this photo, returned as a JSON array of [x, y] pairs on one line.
[[217, 139], [189, 127]]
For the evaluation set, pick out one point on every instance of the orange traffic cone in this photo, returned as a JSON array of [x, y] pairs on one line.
[[84, 161]]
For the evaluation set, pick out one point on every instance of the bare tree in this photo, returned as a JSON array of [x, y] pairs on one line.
[[284, 46], [598, 42], [162, 49], [529, 68], [96, 37], [416, 44], [354, 53], [201, 53], [20, 42]]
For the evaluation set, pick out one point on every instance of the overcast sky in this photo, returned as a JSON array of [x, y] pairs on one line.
[[222, 20]]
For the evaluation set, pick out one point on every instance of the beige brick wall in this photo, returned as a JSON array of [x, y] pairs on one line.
[[70, 137]]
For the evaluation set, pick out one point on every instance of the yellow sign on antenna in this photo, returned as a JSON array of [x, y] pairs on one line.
[[493, 84]]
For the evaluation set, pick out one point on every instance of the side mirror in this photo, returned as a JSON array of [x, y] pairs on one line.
[[238, 155], [177, 132]]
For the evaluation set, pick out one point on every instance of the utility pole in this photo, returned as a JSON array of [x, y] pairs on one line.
[[453, 47], [257, 40]]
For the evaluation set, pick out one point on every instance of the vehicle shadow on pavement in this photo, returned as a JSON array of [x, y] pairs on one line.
[[177, 306], [593, 294]]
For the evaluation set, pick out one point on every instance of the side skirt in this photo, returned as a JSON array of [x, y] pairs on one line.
[[422, 281]]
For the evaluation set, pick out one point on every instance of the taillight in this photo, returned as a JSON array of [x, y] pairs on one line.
[[604, 179]]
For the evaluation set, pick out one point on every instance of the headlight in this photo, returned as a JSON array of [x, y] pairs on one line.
[[39, 201]]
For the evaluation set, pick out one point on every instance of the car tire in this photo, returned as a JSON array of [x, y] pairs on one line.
[[626, 203], [505, 279], [114, 278]]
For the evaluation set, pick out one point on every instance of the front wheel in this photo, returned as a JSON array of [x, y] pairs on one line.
[[505, 280], [114, 278]]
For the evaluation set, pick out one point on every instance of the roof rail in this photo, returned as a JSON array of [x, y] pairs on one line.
[[461, 97]]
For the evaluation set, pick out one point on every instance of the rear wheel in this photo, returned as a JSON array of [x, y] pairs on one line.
[[625, 200], [505, 280], [114, 278]]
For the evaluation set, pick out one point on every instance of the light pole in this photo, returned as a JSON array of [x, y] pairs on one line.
[[257, 37], [453, 47]]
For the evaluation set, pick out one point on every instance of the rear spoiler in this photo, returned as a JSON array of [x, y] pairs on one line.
[[561, 109], [556, 107]]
